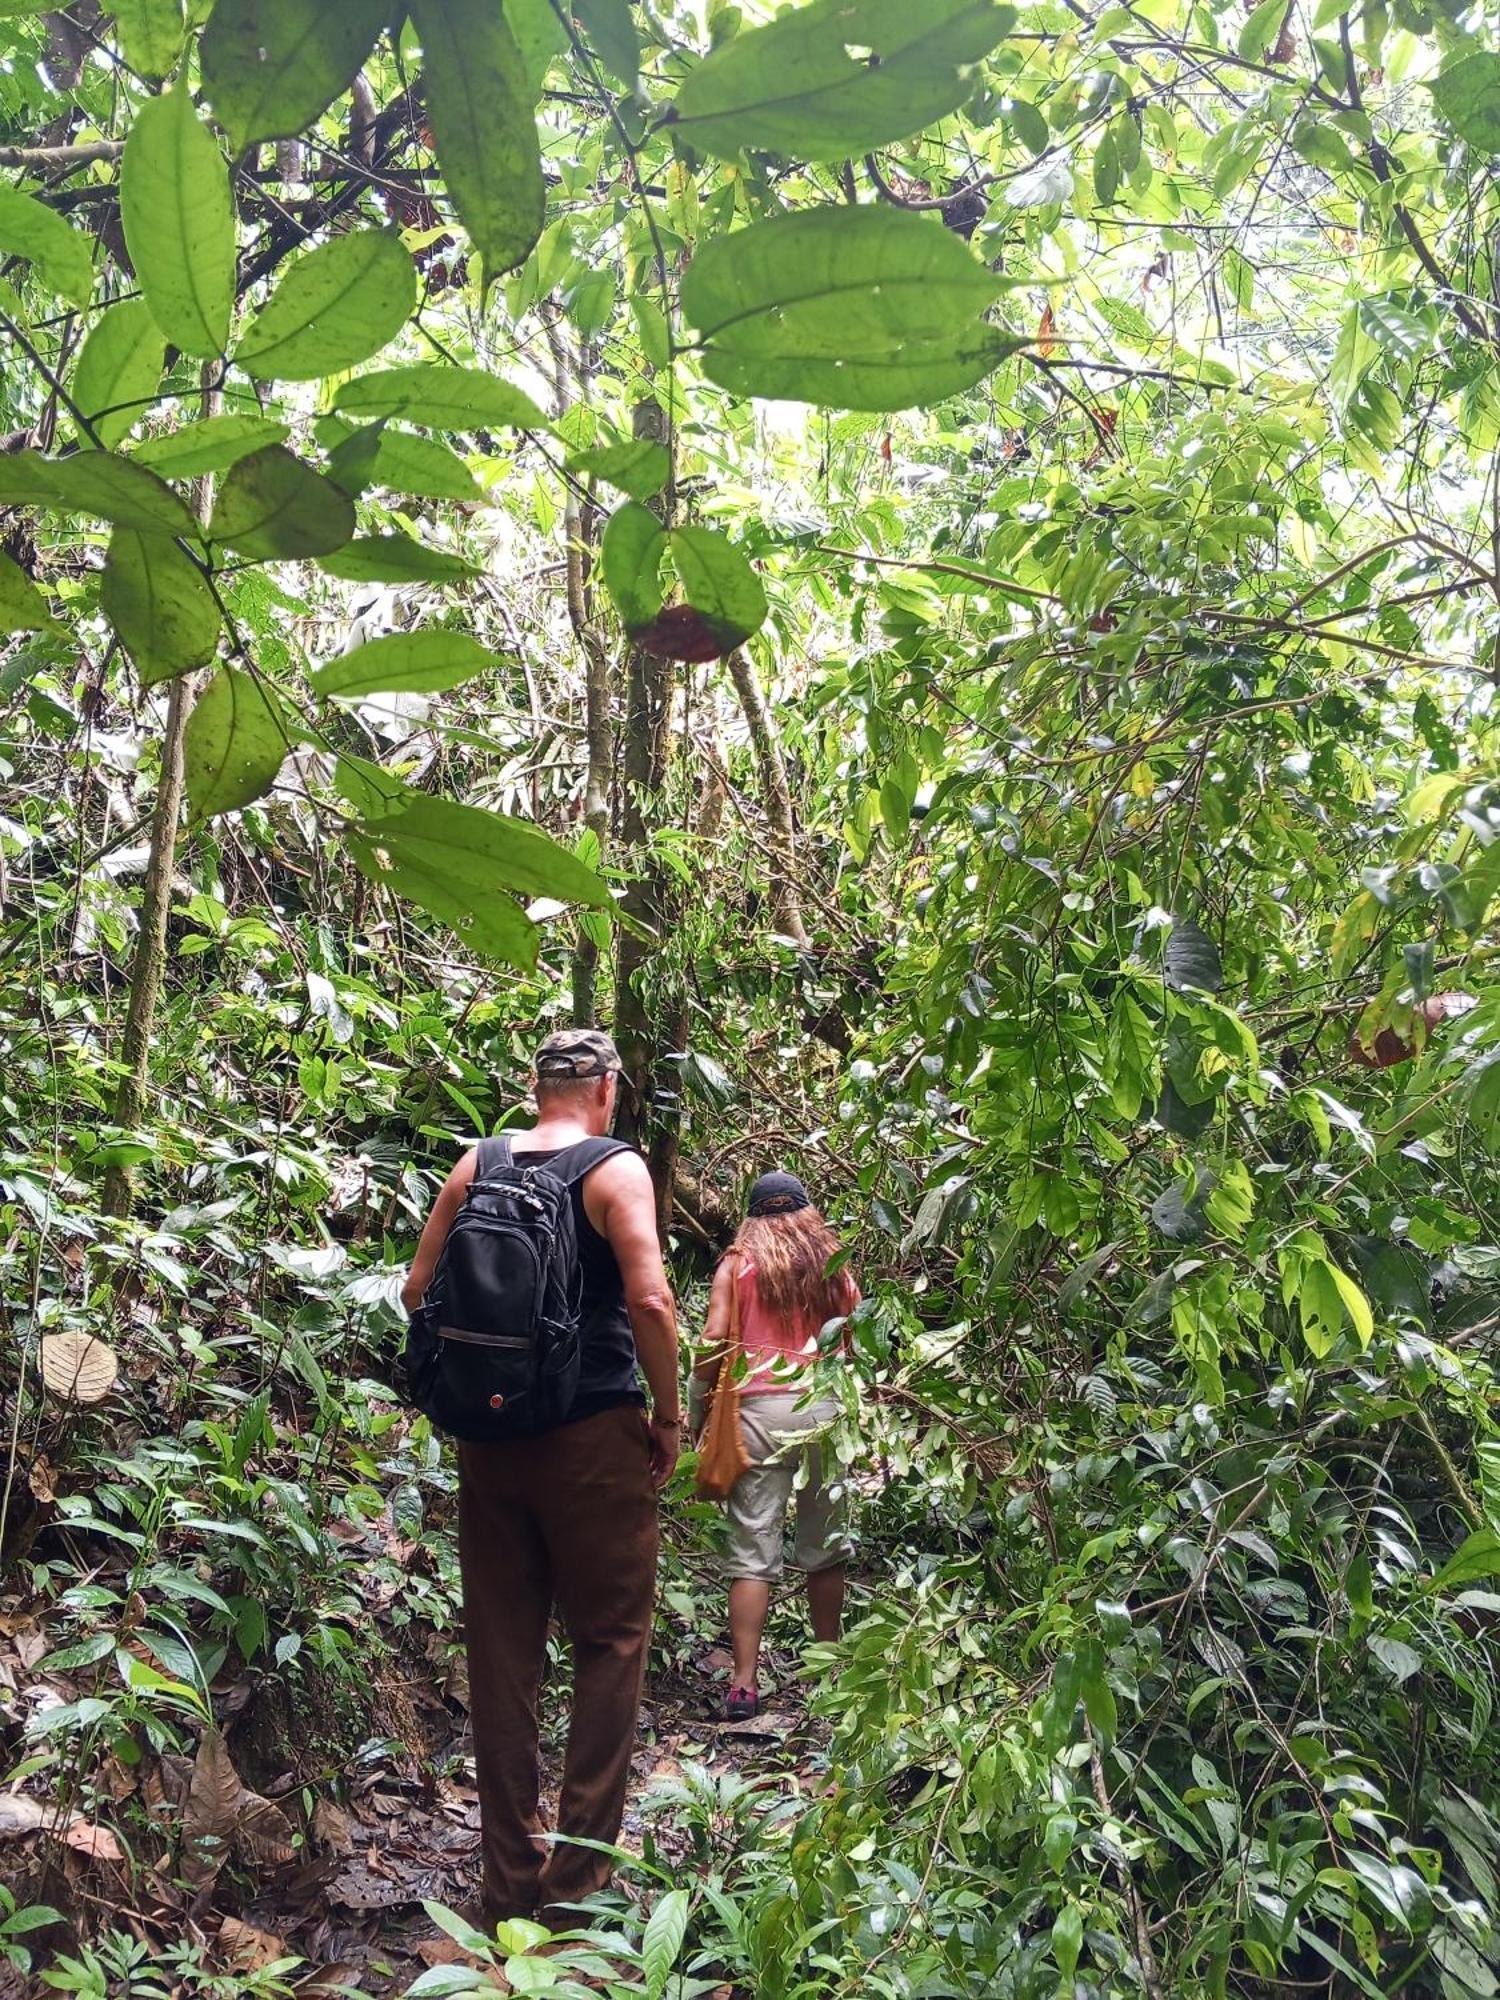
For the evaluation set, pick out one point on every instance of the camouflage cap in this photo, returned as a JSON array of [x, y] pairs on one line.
[[577, 1052]]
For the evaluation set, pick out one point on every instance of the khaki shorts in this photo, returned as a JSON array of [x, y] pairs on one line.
[[779, 1437]]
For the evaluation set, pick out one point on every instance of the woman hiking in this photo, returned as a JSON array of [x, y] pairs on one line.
[[772, 1296]]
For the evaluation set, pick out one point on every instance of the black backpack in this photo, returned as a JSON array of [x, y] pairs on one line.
[[493, 1350]]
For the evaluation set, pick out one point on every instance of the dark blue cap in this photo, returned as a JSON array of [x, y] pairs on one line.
[[778, 1194]]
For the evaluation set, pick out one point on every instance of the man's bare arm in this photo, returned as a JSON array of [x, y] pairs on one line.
[[435, 1234], [627, 1219]]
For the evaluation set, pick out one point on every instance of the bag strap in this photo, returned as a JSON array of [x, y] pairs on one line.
[[491, 1156], [571, 1165]]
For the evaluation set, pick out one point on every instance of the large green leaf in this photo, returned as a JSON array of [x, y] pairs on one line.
[[510, 852], [630, 557], [159, 603], [456, 887], [479, 106], [852, 308], [638, 466], [440, 395], [271, 504], [405, 663], [59, 254], [838, 77], [719, 584], [22, 606], [1477, 1555], [178, 217], [234, 744], [425, 466], [540, 35], [1468, 95], [150, 33], [270, 66], [97, 483], [396, 558], [208, 445], [610, 27], [336, 305], [119, 370]]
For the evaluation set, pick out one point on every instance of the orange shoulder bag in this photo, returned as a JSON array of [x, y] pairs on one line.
[[723, 1457]]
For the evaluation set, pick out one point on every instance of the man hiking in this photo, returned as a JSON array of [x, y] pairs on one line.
[[567, 1516]]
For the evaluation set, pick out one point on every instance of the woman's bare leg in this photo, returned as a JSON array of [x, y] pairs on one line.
[[749, 1602]]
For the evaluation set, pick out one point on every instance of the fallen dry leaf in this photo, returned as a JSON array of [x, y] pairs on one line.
[[330, 1827], [97, 1842], [248, 1948], [41, 1480], [30, 1643]]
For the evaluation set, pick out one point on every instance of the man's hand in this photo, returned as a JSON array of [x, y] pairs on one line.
[[666, 1443]]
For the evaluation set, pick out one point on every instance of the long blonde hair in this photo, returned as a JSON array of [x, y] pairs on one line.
[[791, 1254]]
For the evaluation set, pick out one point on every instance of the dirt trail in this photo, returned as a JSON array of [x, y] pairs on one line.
[[410, 1830]]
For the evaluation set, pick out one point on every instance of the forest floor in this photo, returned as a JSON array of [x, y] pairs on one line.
[[386, 1825]]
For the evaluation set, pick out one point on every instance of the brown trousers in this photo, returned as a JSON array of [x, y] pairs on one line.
[[567, 1518]]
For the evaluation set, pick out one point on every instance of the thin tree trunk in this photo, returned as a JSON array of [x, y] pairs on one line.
[[580, 535], [117, 1194], [151, 944], [649, 684], [786, 899]]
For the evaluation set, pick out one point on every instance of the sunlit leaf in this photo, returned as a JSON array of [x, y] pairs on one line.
[[58, 253], [405, 663], [479, 105], [179, 223], [236, 739], [838, 77], [334, 306], [119, 370], [159, 603], [270, 66], [441, 396], [854, 308], [97, 483]]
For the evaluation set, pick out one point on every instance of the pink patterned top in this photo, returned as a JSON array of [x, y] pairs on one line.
[[779, 1351]]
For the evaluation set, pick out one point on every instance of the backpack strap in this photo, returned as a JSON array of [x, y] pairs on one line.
[[572, 1165], [490, 1156]]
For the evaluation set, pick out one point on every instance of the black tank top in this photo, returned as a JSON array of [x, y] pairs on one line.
[[607, 1375]]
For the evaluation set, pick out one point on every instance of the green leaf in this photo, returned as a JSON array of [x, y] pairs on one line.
[[98, 483], [1262, 28], [616, 40], [638, 466], [159, 603], [1477, 1555], [408, 464], [666, 1928], [396, 558], [464, 890], [405, 663], [1067, 1941], [337, 305], [271, 504], [208, 445], [270, 66], [1468, 95], [440, 395], [151, 33], [22, 606], [512, 852], [630, 557], [479, 106], [718, 582], [60, 255], [1191, 961], [234, 743], [119, 370], [838, 77], [851, 308], [540, 35], [178, 218]]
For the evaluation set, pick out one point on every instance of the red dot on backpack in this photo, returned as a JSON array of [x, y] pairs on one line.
[[496, 1402]]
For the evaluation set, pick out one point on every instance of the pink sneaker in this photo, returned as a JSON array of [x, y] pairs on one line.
[[741, 1704]]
